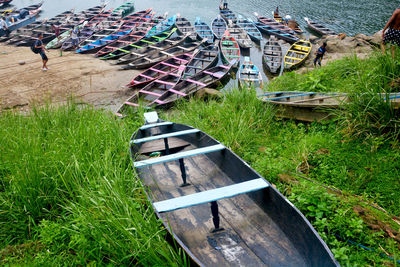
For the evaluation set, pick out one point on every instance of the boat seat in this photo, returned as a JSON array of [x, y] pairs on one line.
[[160, 71], [289, 96], [131, 104], [180, 155], [149, 93], [311, 99], [210, 195], [196, 82], [165, 83], [177, 92], [148, 126], [162, 136]]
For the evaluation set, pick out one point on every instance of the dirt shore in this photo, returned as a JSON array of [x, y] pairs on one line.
[[87, 79]]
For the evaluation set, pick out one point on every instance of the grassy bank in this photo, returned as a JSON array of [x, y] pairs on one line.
[[68, 193]]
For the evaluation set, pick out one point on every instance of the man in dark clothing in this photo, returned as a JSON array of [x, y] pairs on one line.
[[320, 54], [392, 35], [39, 45], [4, 27]]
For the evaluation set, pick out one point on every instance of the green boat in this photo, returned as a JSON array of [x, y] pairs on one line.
[[125, 9], [57, 42]]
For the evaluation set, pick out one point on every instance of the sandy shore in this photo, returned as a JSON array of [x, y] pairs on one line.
[[88, 79]]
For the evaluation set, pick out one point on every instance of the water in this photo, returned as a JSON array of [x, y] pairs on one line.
[[350, 17]]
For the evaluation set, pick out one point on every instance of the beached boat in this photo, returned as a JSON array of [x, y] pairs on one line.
[[158, 56], [131, 38], [318, 28], [202, 60], [249, 75], [288, 21], [269, 30], [58, 42], [123, 55], [251, 29], [247, 223], [230, 50], [163, 68], [227, 15], [21, 21], [184, 26], [219, 27], [274, 24], [297, 54], [125, 9], [162, 26], [272, 55], [204, 31], [240, 35]]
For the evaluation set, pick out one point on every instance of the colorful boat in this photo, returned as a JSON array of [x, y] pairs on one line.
[[297, 54], [227, 15], [249, 75], [272, 55], [202, 60], [251, 29], [184, 26], [203, 30], [240, 35], [163, 26], [131, 38], [125, 9], [230, 50], [215, 206], [269, 30], [219, 27]]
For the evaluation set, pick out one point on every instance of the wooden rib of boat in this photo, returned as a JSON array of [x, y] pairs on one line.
[[251, 29], [158, 56], [227, 15], [125, 9], [318, 28], [163, 68], [269, 30], [203, 30], [219, 27], [297, 54], [240, 35], [247, 223], [249, 75], [131, 38], [202, 60], [140, 45], [272, 55], [163, 26], [230, 49], [274, 24], [185, 27]]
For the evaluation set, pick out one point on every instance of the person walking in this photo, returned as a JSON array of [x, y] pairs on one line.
[[39, 46], [320, 54], [391, 31], [74, 37], [56, 31]]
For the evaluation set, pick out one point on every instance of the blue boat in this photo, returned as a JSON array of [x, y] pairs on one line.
[[203, 30], [267, 29], [249, 75], [97, 45], [161, 27], [251, 29], [227, 15], [218, 27]]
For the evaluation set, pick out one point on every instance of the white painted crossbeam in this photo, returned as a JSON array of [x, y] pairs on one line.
[[180, 155], [210, 195], [162, 136], [144, 127]]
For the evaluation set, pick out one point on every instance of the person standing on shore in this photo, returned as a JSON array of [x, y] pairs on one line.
[[320, 54], [39, 46], [392, 35], [4, 26], [56, 30], [74, 37]]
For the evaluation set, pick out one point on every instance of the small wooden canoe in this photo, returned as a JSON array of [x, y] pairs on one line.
[[274, 24], [240, 35], [131, 38], [57, 42], [247, 223], [249, 75], [203, 30], [219, 27], [269, 30], [21, 21], [185, 27], [163, 26], [202, 60], [297, 54], [287, 21], [230, 50], [251, 29], [125, 9], [158, 56], [318, 28], [272, 55], [227, 15]]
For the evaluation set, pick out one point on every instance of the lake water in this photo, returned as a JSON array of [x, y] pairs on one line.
[[350, 17]]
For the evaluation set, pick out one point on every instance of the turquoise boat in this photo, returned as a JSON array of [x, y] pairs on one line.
[[163, 26], [97, 45], [203, 30], [125, 9]]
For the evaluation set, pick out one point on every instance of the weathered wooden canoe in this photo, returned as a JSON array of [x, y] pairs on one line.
[[318, 28], [162, 26], [21, 21], [227, 14], [272, 55], [185, 27], [274, 24], [219, 27], [240, 35], [251, 29], [58, 42], [125, 9], [158, 56], [249, 224], [288, 21], [203, 30], [131, 38], [202, 60], [269, 30], [297, 54], [230, 49], [249, 75]]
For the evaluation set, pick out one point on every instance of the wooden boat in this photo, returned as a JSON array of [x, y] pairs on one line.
[[202, 60], [272, 55], [132, 37], [250, 28], [163, 26], [269, 30], [230, 50], [57, 42], [125, 9], [5, 2], [203, 30], [249, 75], [20, 21], [240, 35], [140, 45], [318, 28], [219, 27], [291, 23], [184, 26], [149, 24], [156, 57], [249, 224], [274, 24], [227, 14], [163, 68], [297, 54]]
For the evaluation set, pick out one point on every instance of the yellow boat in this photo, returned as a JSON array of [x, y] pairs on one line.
[[6, 12], [297, 53]]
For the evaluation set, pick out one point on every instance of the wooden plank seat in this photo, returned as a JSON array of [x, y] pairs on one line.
[[148, 126], [311, 99], [162, 136], [289, 96], [177, 92]]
